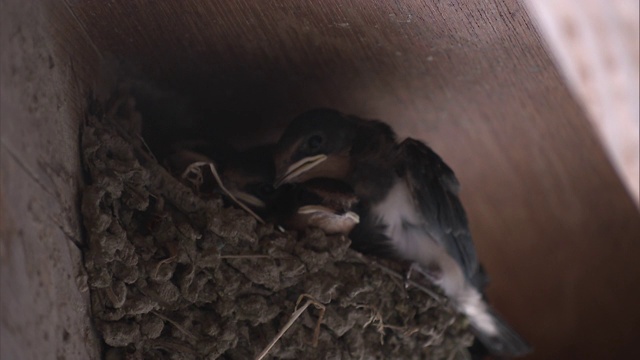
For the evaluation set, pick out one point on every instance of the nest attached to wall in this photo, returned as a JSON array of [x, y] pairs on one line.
[[175, 275]]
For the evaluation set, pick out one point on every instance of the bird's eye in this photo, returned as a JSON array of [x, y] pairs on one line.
[[314, 142]]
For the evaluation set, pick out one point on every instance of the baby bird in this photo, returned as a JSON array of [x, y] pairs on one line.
[[409, 206]]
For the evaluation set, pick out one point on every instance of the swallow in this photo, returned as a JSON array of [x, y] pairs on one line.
[[244, 178], [323, 203], [179, 155], [180, 163], [409, 207], [249, 177]]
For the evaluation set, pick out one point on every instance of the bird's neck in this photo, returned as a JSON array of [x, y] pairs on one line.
[[373, 161]]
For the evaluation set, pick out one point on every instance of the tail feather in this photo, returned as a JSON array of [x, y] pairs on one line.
[[505, 341], [488, 327]]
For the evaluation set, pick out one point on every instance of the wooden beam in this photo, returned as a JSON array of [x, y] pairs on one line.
[[595, 45]]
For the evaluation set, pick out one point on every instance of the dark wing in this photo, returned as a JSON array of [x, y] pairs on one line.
[[435, 188]]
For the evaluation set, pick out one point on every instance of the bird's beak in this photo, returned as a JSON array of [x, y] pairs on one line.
[[353, 216], [313, 209], [299, 168], [249, 199]]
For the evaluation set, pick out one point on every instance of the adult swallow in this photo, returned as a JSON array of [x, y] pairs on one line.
[[409, 206]]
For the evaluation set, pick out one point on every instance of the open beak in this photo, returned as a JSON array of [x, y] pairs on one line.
[[353, 216], [300, 167], [313, 209], [249, 199]]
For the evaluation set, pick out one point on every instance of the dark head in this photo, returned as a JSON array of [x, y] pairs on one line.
[[315, 144]]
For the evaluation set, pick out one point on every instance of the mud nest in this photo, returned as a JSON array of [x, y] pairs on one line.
[[174, 275]]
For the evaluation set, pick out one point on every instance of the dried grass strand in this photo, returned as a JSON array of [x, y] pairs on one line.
[[178, 326], [296, 314], [216, 176]]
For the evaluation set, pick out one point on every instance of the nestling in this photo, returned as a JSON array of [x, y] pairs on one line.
[[409, 206]]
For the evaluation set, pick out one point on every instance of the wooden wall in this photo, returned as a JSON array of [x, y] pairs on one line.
[[44, 303], [552, 221]]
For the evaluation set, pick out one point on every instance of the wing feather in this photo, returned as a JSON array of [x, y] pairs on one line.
[[435, 189]]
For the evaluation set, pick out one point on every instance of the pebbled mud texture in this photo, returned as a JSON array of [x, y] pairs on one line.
[[174, 275]]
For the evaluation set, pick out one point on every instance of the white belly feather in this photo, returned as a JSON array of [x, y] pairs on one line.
[[410, 238]]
